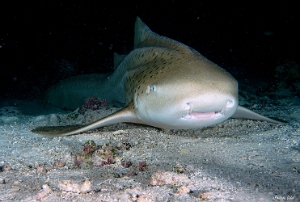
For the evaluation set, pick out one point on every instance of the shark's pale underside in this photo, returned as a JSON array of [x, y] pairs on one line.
[[165, 84]]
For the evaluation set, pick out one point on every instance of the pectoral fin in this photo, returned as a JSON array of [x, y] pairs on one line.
[[126, 114], [244, 113]]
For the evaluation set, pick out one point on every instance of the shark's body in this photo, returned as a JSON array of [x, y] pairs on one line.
[[163, 83]]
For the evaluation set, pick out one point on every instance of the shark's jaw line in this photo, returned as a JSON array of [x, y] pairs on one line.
[[201, 115], [206, 115]]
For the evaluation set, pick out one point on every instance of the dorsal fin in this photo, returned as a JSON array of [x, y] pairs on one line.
[[118, 58], [144, 37]]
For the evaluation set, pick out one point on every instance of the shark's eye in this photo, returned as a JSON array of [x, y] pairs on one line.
[[151, 88]]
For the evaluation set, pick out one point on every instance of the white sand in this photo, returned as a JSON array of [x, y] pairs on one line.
[[238, 160]]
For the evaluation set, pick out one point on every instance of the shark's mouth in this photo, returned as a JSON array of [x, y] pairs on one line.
[[202, 115]]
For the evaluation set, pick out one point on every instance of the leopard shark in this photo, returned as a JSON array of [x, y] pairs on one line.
[[162, 83]]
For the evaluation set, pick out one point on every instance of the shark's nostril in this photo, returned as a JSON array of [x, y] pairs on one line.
[[187, 106], [229, 104]]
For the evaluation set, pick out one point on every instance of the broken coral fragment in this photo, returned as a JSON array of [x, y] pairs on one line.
[[169, 178], [45, 192], [77, 188]]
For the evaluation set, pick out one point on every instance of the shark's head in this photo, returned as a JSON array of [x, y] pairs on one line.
[[173, 86], [193, 94]]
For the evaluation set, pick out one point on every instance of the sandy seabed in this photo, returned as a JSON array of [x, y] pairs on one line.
[[237, 160]]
